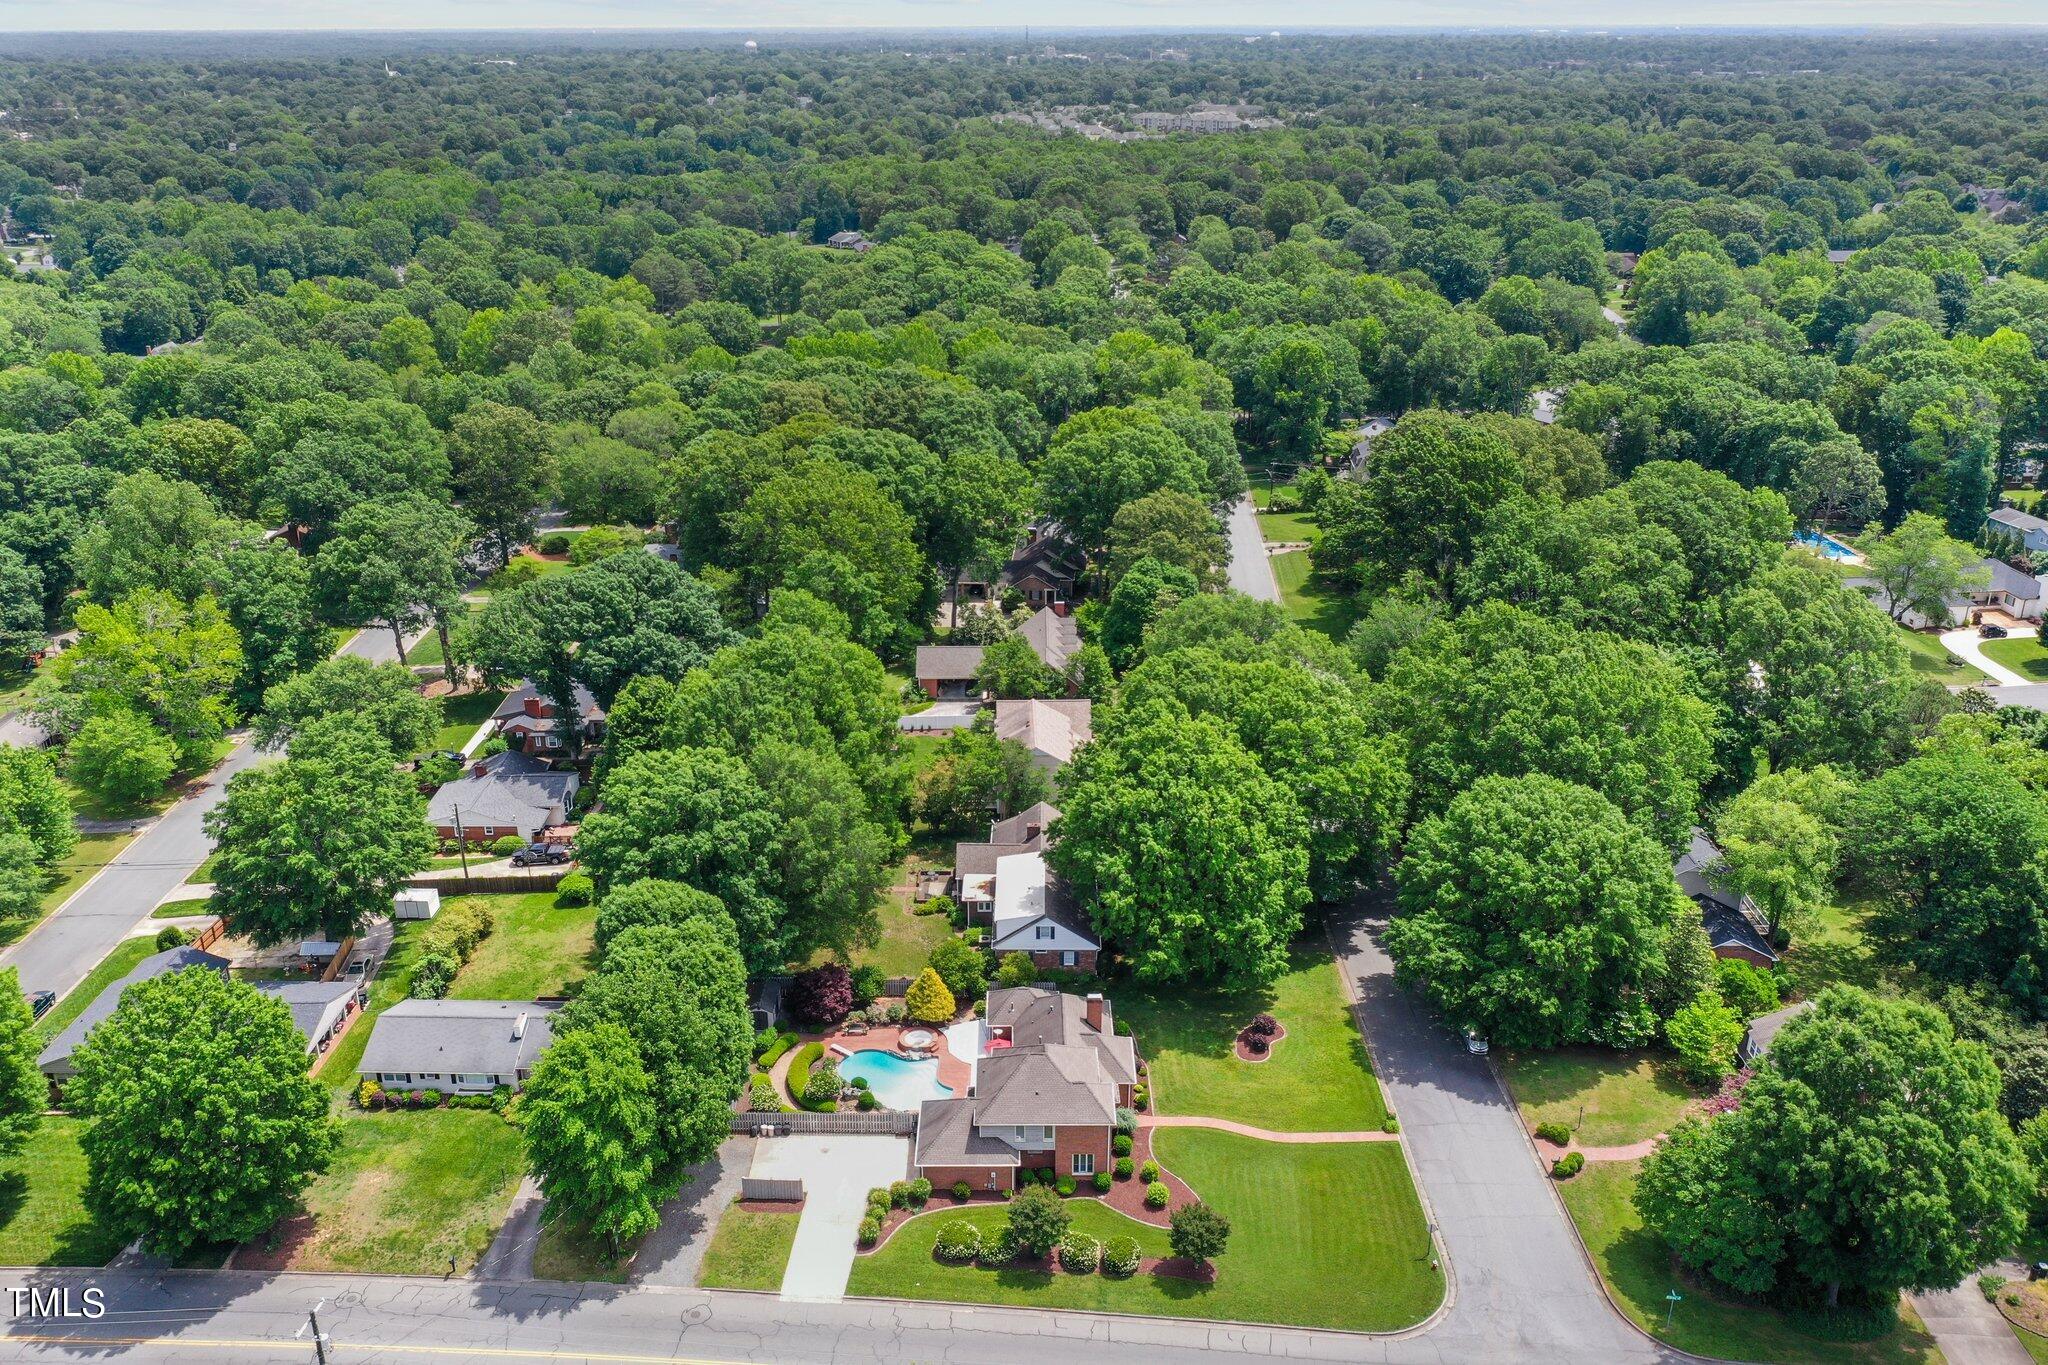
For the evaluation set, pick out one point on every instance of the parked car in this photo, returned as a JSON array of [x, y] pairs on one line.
[[357, 965], [538, 854], [1476, 1045], [1991, 632], [39, 1003]]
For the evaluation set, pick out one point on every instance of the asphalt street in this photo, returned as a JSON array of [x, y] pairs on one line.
[[57, 953], [1251, 571]]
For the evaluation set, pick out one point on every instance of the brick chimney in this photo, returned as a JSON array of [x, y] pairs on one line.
[[1095, 1011]]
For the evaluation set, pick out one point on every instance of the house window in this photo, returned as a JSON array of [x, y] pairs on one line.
[[1069, 958], [1043, 931], [1084, 1163]]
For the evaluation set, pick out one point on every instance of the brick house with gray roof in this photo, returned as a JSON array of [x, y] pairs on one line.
[[1045, 1095], [948, 671]]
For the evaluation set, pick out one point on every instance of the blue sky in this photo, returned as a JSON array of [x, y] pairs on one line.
[[769, 15]]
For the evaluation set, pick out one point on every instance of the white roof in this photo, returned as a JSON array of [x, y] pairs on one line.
[[1020, 892]]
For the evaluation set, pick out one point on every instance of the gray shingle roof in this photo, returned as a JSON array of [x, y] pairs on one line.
[[948, 662], [1764, 1029], [450, 1037], [946, 1137], [1057, 1084], [1017, 828], [315, 1005], [979, 860], [2005, 578], [1037, 1017], [56, 1058], [2017, 520], [513, 790], [1053, 638], [1053, 728]]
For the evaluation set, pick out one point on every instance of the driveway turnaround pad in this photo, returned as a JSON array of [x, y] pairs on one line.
[[838, 1170]]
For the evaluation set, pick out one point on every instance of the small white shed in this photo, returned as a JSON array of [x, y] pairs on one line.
[[416, 902]]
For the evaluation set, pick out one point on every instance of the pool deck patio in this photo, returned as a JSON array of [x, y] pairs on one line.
[[956, 1073]]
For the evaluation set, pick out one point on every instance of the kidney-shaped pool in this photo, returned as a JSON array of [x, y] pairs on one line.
[[897, 1082]]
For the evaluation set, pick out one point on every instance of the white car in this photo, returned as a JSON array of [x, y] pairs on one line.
[[1475, 1044]]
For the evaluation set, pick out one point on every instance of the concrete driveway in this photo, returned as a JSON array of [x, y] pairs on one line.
[[838, 1170], [1966, 644], [1967, 1327]]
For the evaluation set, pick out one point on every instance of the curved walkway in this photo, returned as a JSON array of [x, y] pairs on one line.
[[1263, 1134], [1628, 1151]]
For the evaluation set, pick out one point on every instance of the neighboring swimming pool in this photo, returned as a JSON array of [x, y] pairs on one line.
[[898, 1083], [1825, 545]]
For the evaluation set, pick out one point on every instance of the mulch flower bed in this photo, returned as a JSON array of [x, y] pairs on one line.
[[1170, 1267], [1128, 1196], [1244, 1052], [772, 1205]]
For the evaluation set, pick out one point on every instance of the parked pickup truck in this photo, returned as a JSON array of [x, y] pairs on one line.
[[542, 855]]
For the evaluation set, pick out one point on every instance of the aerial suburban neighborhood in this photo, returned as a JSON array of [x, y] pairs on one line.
[[1010, 693]]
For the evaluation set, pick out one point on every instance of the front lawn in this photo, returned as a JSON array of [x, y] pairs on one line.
[[1623, 1096], [1637, 1265], [405, 1192], [1832, 951], [112, 968], [1930, 658], [42, 1221], [2025, 657], [534, 950], [1286, 526], [568, 1252], [1322, 1235], [1313, 602], [749, 1250], [463, 713], [1317, 1078]]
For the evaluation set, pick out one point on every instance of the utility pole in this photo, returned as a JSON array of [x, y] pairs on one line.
[[319, 1338], [462, 845]]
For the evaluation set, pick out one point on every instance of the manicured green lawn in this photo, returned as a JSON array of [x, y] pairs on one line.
[[1624, 1096], [1637, 1265], [112, 968], [1316, 1078], [534, 950], [566, 1251], [2025, 657], [1931, 658], [2026, 498], [202, 873], [461, 715], [42, 1221], [1287, 526], [2036, 1347], [1322, 1235], [408, 1190], [749, 1250], [1313, 601]]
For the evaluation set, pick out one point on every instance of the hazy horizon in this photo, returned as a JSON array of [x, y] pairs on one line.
[[812, 17]]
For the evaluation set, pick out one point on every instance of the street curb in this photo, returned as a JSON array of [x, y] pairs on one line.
[[1443, 1253], [1579, 1239]]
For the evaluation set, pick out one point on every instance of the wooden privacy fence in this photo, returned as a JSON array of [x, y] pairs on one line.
[[453, 884], [781, 1191], [879, 1122]]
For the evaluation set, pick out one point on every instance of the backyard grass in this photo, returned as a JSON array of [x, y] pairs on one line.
[[1637, 1265], [1830, 952], [42, 1221], [2025, 498], [112, 968], [534, 950], [461, 715], [1624, 1096], [567, 1251], [1930, 658], [1316, 1078], [1313, 601], [906, 940], [2024, 657], [749, 1250], [1322, 1235], [405, 1192]]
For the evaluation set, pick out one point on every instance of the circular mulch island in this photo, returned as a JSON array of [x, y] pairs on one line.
[[2024, 1305], [1245, 1054]]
